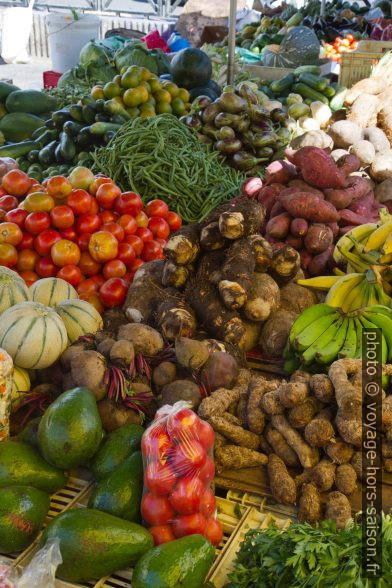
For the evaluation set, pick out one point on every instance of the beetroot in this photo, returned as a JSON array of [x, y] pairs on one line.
[[280, 171], [318, 238], [278, 226], [308, 206], [317, 167], [220, 371], [251, 187]]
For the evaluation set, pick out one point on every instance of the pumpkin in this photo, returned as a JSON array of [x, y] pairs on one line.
[[20, 385], [191, 68], [52, 291], [13, 289], [33, 334], [300, 46], [80, 318]]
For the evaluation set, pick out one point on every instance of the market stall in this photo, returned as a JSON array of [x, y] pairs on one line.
[[187, 271]]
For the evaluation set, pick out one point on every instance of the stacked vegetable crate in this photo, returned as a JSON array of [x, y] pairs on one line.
[[357, 65]]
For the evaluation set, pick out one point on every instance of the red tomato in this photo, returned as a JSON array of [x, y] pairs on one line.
[[29, 277], [98, 279], [113, 292], [87, 288], [69, 234], [129, 203], [27, 242], [208, 503], [83, 241], [17, 216], [207, 471], [156, 443], [152, 250], [79, 201], [62, 217], [71, 274], [59, 187], [159, 478], [350, 37], [10, 233], [36, 188], [65, 252], [103, 246], [2, 191], [184, 423], [108, 216], [135, 265], [156, 510], [45, 267], [27, 258], [8, 202], [162, 534], [126, 253], [141, 219], [114, 269], [186, 496], [88, 266], [115, 229], [159, 227], [174, 220], [128, 223], [16, 182], [189, 525], [144, 234], [162, 242], [8, 255], [44, 241], [95, 301], [107, 194], [36, 222], [213, 531], [136, 242], [88, 223], [206, 434], [94, 208], [97, 182], [128, 278], [157, 208], [189, 457]]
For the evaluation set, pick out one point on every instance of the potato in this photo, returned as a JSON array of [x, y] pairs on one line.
[[115, 415], [313, 139], [345, 133], [383, 191], [145, 339], [181, 390], [378, 139], [381, 168], [365, 152]]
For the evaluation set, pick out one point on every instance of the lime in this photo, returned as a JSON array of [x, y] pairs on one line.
[[117, 80], [119, 100], [145, 73], [132, 97], [147, 86], [155, 85], [183, 94]]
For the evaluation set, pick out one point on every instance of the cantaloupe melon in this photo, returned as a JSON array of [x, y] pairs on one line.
[[52, 291], [20, 385], [33, 334], [13, 289], [80, 318]]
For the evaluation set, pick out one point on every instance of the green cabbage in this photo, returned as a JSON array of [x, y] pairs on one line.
[[135, 53], [94, 53], [162, 61]]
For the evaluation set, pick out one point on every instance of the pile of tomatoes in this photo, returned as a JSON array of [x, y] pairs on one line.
[[340, 45], [178, 499], [82, 229]]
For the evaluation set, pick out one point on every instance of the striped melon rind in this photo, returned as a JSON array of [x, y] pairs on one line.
[[52, 291], [20, 385], [13, 289], [80, 318], [33, 334]]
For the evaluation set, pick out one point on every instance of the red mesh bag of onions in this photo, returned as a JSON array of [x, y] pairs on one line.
[[178, 499]]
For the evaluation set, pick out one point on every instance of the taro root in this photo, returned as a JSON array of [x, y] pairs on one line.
[[220, 371]]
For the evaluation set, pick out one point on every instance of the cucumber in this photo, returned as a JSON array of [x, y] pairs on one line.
[[67, 147], [72, 128], [337, 102], [280, 86], [47, 153], [87, 101], [47, 136], [313, 81], [307, 92], [113, 107], [313, 69], [329, 92], [100, 128], [15, 150]]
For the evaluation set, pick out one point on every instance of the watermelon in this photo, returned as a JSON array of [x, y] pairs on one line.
[[191, 68]]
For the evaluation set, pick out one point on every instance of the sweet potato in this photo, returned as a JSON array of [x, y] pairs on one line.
[[339, 198], [364, 151], [348, 163], [304, 187], [278, 226], [276, 210], [318, 238], [359, 185], [348, 217], [295, 242], [318, 264], [299, 227], [345, 133], [363, 205], [318, 168], [309, 207], [267, 195], [251, 187], [279, 172]]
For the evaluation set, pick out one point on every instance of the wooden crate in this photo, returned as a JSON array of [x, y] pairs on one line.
[[357, 65], [275, 73]]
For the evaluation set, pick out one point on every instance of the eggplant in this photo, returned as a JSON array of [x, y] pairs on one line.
[[228, 147], [192, 121], [243, 124], [226, 134], [265, 152], [244, 161], [247, 93], [225, 119], [231, 103], [210, 112], [204, 139], [210, 131], [257, 112], [283, 135], [201, 102], [261, 127], [264, 140], [278, 115]]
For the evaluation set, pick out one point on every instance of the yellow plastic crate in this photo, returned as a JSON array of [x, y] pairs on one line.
[[357, 65]]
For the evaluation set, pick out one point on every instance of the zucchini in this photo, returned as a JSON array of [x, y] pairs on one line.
[[47, 153], [34, 168], [39, 132], [280, 86], [337, 102], [100, 128], [76, 112], [47, 136], [313, 81], [60, 117], [72, 128], [57, 154], [49, 124], [15, 150], [313, 69], [117, 119], [67, 147], [307, 92], [83, 138], [23, 164]]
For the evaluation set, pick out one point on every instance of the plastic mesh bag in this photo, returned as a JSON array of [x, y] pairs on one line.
[[178, 499]]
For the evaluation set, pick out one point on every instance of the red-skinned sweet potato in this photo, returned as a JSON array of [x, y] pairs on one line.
[[267, 195], [339, 198], [309, 206], [278, 227], [295, 242], [348, 217], [348, 164], [318, 264], [306, 259], [318, 238], [318, 168], [363, 205], [334, 228], [280, 172], [276, 210], [358, 186], [304, 187], [299, 227]]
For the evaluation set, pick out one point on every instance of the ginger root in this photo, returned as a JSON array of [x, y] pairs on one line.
[[282, 485]]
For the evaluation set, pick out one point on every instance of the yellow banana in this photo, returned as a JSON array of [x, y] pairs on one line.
[[339, 291], [338, 272], [377, 239], [356, 298], [360, 233], [320, 282], [387, 247]]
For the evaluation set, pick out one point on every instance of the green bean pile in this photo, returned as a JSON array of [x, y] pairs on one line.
[[160, 157]]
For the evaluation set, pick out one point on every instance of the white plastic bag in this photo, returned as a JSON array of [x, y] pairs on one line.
[[41, 570], [15, 33]]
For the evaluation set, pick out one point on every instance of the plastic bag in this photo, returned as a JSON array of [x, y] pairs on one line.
[[178, 500], [8, 576], [41, 570]]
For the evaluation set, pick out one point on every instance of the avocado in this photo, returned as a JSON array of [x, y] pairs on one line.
[[120, 493], [116, 447], [22, 513], [21, 464], [183, 563], [94, 544], [70, 430], [30, 433]]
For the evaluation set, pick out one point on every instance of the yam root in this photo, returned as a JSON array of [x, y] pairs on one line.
[[237, 274], [282, 485], [345, 478], [308, 456], [211, 238], [296, 298], [263, 298], [144, 293], [263, 252], [285, 265], [183, 247], [255, 415], [238, 435], [279, 446], [299, 416], [220, 440], [293, 393], [270, 403], [323, 475], [232, 457], [309, 510], [356, 462], [221, 399], [338, 509], [322, 388], [338, 451], [231, 418], [319, 431], [275, 331], [175, 318], [243, 219]]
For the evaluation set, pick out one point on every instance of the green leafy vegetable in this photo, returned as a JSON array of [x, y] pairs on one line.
[[135, 53]]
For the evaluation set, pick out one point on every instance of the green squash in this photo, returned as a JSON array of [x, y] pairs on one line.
[[300, 46]]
